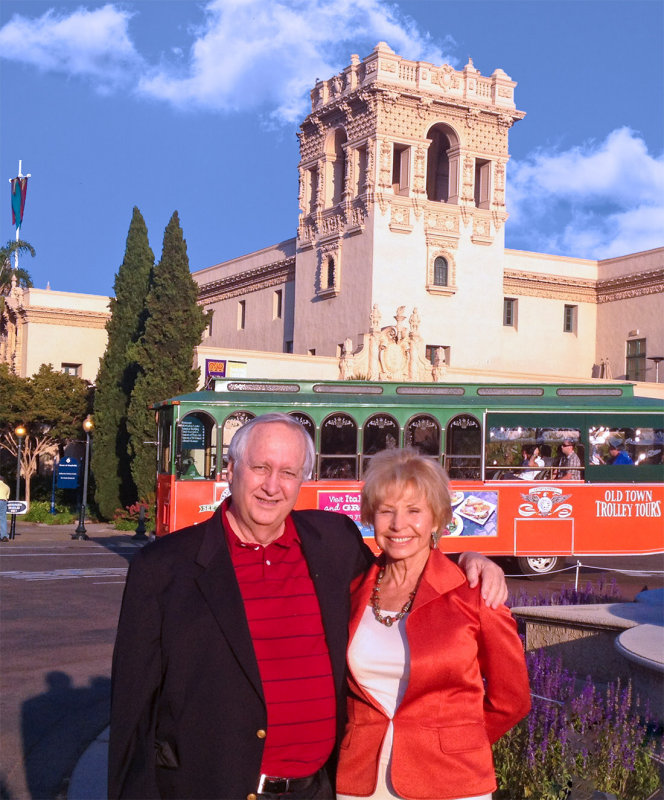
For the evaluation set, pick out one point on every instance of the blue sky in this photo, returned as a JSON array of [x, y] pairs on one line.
[[194, 106]]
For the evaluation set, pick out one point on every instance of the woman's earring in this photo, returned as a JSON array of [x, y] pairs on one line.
[[435, 538]]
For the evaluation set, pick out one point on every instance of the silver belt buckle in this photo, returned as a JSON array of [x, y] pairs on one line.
[[264, 778]]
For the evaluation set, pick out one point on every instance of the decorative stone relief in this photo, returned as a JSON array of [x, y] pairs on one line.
[[472, 116], [499, 184], [481, 229], [419, 169], [253, 280], [389, 100], [391, 353], [445, 77], [424, 107], [385, 178], [369, 181], [400, 218], [442, 221], [468, 180]]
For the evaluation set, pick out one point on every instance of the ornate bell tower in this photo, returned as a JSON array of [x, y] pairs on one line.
[[401, 196]]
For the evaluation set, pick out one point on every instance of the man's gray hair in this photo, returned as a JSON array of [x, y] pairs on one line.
[[238, 445]]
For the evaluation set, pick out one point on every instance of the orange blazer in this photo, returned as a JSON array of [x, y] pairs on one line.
[[468, 685]]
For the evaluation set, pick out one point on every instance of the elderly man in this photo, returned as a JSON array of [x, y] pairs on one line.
[[229, 665]]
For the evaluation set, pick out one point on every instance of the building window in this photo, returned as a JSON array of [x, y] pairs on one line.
[[210, 315], [241, 314], [277, 304], [360, 170], [635, 360], [438, 166], [311, 351], [440, 272], [335, 167], [329, 273], [401, 169], [509, 312], [569, 319], [288, 346], [312, 189], [437, 351], [482, 183], [72, 369]]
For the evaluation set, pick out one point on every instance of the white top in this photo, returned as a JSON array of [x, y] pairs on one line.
[[379, 658], [531, 474]]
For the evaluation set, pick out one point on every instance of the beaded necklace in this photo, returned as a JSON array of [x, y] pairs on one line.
[[375, 604]]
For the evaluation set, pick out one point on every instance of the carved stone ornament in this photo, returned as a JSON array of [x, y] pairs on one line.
[[472, 116], [392, 353]]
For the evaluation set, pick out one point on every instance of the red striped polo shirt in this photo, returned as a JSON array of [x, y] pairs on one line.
[[291, 650]]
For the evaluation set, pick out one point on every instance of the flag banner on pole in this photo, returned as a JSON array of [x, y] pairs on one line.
[[19, 191]]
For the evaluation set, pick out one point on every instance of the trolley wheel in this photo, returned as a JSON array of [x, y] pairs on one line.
[[538, 565]]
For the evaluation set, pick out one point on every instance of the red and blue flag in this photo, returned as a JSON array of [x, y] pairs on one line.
[[19, 191]]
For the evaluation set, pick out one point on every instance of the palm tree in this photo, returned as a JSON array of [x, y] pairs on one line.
[[22, 275]]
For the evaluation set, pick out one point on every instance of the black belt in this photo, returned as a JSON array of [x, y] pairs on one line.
[[271, 785]]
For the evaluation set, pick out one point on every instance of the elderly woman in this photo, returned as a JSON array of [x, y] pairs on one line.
[[435, 676]]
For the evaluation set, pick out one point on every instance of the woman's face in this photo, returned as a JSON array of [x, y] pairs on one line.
[[403, 523]]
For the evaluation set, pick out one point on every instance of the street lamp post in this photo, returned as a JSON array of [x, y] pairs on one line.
[[80, 533], [657, 360], [20, 432]]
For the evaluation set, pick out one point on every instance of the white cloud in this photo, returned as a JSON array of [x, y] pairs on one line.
[[598, 200], [252, 55], [92, 44]]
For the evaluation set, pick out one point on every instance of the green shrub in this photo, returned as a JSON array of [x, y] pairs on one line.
[[40, 511]]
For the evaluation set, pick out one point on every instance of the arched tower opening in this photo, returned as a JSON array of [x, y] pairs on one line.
[[335, 160], [442, 164]]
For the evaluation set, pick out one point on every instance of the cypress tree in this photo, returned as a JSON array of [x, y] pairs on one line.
[[165, 354], [117, 373]]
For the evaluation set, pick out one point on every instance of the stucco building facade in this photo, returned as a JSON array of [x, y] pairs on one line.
[[402, 203], [64, 329]]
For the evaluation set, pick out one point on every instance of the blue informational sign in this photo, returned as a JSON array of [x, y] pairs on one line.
[[68, 473]]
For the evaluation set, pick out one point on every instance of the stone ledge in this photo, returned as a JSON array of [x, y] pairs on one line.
[[644, 645], [602, 616]]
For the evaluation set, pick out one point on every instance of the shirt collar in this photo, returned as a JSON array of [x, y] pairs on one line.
[[287, 538]]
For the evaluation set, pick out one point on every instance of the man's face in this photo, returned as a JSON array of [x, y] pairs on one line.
[[568, 448], [265, 484]]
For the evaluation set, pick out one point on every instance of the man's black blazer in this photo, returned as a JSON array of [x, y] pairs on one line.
[[187, 700]]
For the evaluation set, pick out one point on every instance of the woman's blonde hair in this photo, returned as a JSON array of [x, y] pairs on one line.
[[401, 469]]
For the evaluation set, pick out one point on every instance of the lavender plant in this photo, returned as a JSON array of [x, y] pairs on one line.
[[600, 736], [601, 592]]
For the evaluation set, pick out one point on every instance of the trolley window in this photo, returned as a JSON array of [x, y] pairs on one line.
[[423, 433], [338, 447], [534, 453], [380, 432], [196, 456], [306, 422], [232, 424], [165, 437], [463, 448], [639, 446]]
